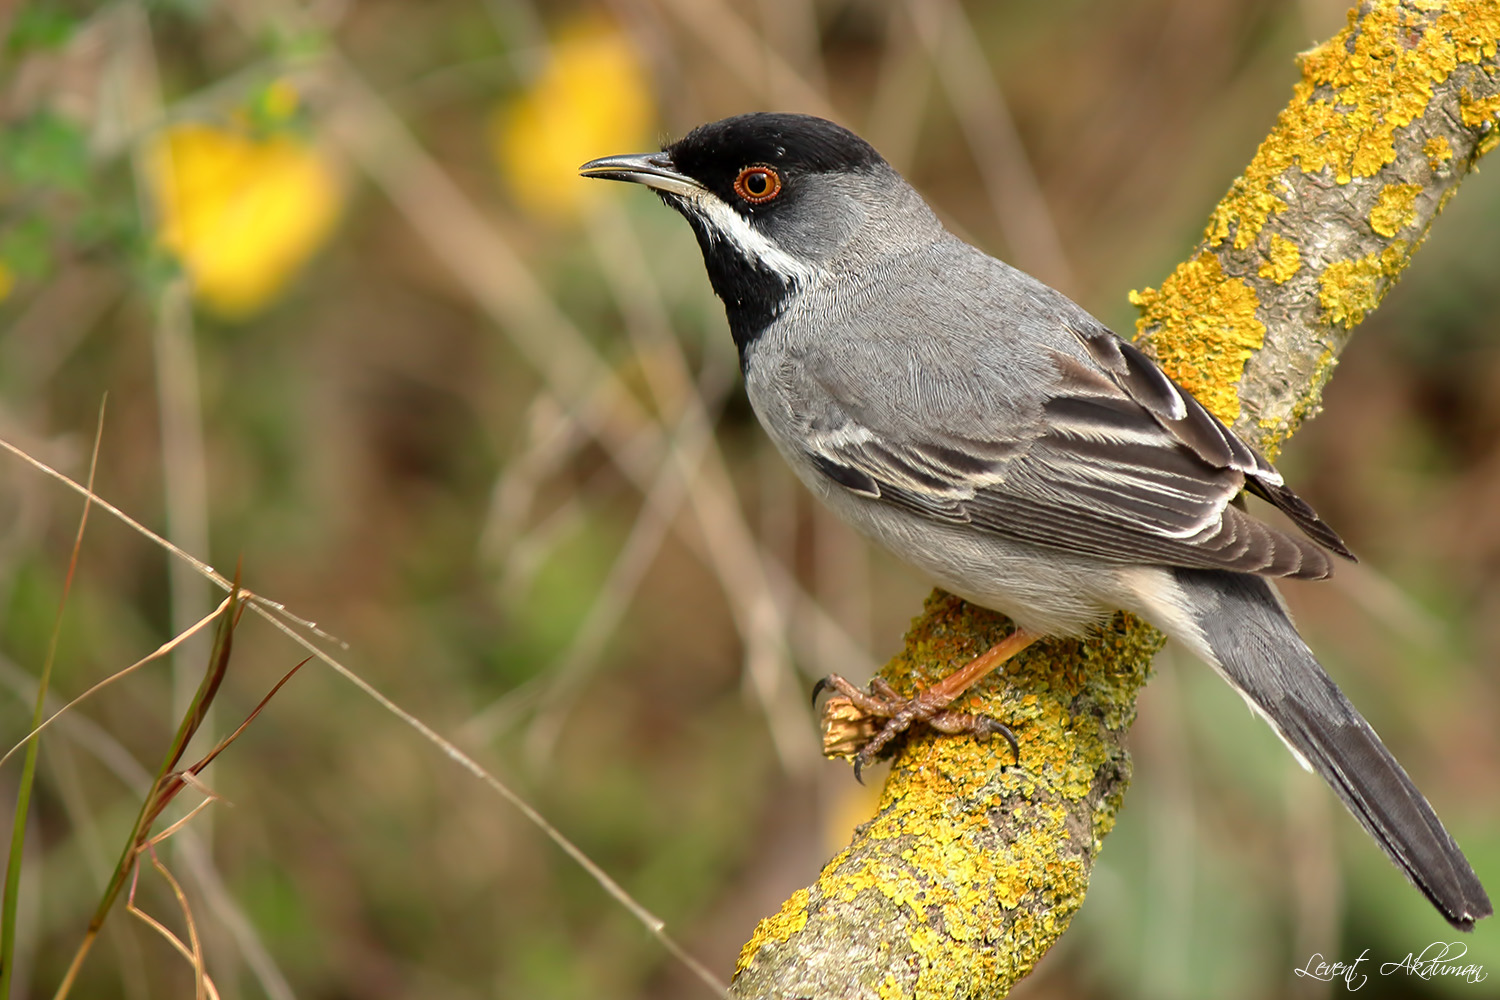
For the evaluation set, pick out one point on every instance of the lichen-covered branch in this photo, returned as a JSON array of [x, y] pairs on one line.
[[1389, 117], [970, 869]]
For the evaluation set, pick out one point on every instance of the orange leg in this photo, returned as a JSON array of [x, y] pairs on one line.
[[849, 729]]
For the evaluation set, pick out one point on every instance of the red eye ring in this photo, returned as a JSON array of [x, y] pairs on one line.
[[758, 184]]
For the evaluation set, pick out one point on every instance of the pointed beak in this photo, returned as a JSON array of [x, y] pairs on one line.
[[655, 170]]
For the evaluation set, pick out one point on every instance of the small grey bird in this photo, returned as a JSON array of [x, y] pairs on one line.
[[989, 431]]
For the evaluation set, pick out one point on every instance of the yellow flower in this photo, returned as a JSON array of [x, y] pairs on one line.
[[7, 281], [241, 213], [592, 98]]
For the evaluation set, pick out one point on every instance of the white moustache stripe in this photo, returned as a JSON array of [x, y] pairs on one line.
[[725, 223]]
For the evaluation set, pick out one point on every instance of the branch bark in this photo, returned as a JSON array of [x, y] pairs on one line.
[[970, 870]]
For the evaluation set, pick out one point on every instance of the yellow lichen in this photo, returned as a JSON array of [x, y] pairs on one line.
[[1348, 289], [789, 920], [956, 884], [1357, 90], [1438, 151], [1478, 111], [1395, 208], [1282, 260], [1259, 203], [1207, 330]]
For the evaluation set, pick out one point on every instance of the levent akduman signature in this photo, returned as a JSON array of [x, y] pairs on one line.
[[1440, 958]]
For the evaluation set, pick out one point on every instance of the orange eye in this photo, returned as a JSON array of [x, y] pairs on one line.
[[757, 184]]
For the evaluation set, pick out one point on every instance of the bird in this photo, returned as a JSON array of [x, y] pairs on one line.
[[990, 432]]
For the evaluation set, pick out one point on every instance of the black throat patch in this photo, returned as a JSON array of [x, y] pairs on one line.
[[753, 293]]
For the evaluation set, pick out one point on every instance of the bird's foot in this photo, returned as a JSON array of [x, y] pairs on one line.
[[852, 726]]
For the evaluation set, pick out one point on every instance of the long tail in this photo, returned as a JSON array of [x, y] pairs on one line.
[[1250, 639]]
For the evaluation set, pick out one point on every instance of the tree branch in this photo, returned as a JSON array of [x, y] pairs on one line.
[[971, 870]]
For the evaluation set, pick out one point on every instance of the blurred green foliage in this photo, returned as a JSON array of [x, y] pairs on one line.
[[40, 26]]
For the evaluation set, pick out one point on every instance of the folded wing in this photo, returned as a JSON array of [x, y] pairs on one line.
[[1123, 465]]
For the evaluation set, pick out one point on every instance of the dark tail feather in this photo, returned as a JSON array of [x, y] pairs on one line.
[[1259, 651], [1301, 514]]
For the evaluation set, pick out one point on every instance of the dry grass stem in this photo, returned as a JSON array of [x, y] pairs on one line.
[[164, 649]]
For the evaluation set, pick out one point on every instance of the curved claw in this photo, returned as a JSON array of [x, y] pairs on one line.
[[818, 688], [995, 727], [859, 765]]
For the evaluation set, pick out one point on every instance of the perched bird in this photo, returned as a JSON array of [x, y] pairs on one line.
[[987, 430]]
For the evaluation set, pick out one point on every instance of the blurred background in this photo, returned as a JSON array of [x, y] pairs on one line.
[[362, 327]]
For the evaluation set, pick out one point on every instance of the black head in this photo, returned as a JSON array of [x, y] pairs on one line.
[[718, 156], [756, 190]]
